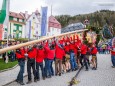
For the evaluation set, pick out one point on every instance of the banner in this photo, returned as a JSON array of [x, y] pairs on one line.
[[29, 34], [44, 21]]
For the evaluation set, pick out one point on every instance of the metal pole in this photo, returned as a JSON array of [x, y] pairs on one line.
[[51, 10], [8, 7]]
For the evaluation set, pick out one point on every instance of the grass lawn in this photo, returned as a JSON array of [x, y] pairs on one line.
[[3, 65]]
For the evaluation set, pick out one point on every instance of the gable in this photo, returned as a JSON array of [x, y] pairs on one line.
[[33, 17]]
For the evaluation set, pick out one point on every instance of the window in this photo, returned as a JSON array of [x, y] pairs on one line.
[[33, 17], [20, 28], [20, 20], [20, 35], [14, 35], [14, 27], [52, 29], [15, 19]]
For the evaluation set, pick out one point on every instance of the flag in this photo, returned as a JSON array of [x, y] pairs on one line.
[[1, 31], [44, 21], [29, 34], [4, 16]]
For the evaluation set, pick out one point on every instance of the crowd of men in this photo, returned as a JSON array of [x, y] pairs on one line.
[[67, 54]]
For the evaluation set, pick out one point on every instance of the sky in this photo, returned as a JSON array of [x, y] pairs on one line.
[[61, 7]]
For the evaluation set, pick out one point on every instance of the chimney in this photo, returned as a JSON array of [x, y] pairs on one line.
[[26, 14]]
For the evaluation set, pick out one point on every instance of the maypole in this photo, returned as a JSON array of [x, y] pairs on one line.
[[7, 24]]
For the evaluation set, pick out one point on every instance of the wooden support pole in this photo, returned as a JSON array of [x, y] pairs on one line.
[[36, 41]]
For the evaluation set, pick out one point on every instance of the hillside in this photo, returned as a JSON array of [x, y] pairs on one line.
[[96, 19]]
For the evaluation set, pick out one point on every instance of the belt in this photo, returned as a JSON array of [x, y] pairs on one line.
[[31, 58]]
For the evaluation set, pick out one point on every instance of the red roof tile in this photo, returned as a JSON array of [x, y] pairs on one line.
[[16, 15], [54, 23]]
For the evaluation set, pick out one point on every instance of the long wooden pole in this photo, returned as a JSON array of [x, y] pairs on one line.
[[36, 41]]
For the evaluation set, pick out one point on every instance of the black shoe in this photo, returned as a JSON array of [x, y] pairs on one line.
[[62, 72], [52, 74], [29, 82], [49, 77], [55, 74], [89, 64], [17, 81], [35, 80], [75, 69], [21, 83], [86, 70], [43, 78], [69, 70], [72, 69], [113, 66], [38, 79], [59, 74], [93, 68]]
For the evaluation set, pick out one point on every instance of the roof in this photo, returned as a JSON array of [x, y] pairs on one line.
[[53, 19], [54, 23], [16, 15], [73, 27]]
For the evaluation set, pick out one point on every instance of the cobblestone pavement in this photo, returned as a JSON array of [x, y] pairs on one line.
[[103, 76]]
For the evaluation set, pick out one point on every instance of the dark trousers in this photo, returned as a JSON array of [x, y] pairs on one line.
[[113, 60], [83, 57], [49, 68], [45, 67], [20, 74], [31, 64], [37, 70], [12, 56]]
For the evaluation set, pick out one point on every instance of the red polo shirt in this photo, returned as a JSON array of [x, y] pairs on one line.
[[112, 52], [83, 49], [40, 55]]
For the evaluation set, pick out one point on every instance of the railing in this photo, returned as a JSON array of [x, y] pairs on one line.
[[37, 41]]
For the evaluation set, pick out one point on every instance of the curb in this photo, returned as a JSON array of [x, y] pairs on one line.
[[8, 69], [12, 81]]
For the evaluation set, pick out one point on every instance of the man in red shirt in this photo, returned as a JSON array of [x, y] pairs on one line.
[[59, 56], [31, 63], [113, 54], [83, 50], [73, 50], [50, 50], [39, 62], [21, 61]]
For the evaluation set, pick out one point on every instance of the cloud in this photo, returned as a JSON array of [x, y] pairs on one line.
[[59, 7], [73, 7]]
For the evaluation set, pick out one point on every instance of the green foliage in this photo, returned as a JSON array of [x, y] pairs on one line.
[[96, 19], [3, 65], [21, 39]]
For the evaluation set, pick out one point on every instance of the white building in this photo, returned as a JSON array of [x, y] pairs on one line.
[[33, 25], [54, 27]]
